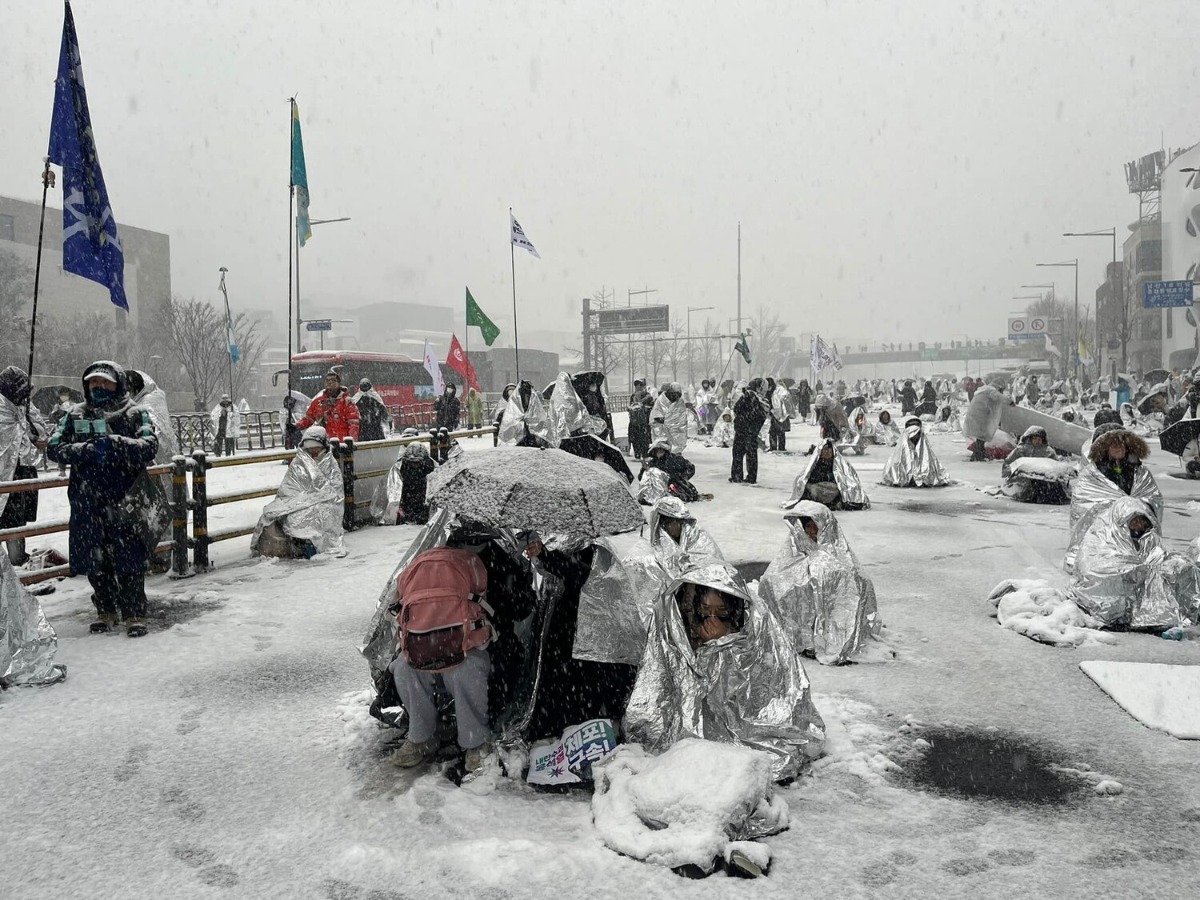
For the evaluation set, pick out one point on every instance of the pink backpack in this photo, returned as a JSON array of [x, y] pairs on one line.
[[443, 613]]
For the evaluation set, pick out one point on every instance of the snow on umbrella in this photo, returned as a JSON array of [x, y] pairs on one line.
[[588, 446], [1176, 438], [526, 488]]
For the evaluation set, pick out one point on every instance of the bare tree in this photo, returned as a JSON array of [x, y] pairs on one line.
[[197, 339], [765, 343]]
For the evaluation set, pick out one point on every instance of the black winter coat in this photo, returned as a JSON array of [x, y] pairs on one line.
[[448, 410], [749, 414], [371, 418], [107, 448]]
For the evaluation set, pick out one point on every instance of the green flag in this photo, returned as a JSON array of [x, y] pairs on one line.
[[743, 347], [475, 316]]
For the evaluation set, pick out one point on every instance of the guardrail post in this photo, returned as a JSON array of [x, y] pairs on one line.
[[179, 517], [200, 510], [345, 453]]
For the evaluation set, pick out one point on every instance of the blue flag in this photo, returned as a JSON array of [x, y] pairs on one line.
[[91, 245], [234, 354], [299, 179]]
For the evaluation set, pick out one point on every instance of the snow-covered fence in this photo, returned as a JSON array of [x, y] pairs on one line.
[[195, 431]]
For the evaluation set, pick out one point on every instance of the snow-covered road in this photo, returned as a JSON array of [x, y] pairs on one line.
[[229, 753]]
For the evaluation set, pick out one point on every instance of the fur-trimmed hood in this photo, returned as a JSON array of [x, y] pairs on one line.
[[1134, 445]]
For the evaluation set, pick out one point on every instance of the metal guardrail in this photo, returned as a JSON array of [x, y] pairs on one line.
[[197, 502], [195, 431]]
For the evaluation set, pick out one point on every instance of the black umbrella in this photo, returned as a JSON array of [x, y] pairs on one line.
[[588, 446], [850, 404], [525, 488], [44, 398], [1154, 376], [1176, 438]]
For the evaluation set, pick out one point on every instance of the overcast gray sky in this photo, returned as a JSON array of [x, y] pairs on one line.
[[898, 168]]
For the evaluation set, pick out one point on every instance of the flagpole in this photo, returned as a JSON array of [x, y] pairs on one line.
[[291, 237], [228, 331], [516, 334], [47, 178]]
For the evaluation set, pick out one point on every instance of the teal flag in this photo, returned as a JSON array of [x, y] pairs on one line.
[[743, 347], [299, 179]]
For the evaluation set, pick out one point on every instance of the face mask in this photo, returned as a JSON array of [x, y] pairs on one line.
[[100, 395]]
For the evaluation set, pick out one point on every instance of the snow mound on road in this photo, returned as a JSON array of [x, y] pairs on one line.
[[1160, 696], [1042, 612], [685, 805]]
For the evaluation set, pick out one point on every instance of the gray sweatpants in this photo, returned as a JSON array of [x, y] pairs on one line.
[[467, 684]]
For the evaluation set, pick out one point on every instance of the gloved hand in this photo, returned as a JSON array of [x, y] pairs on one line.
[[101, 447]]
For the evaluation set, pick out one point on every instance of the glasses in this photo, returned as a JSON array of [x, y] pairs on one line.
[[721, 615]]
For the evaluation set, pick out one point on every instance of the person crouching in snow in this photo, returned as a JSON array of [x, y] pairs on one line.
[[718, 665], [817, 589], [678, 541], [722, 431], [677, 469], [305, 518], [1124, 577], [830, 480], [1025, 486], [913, 463], [886, 433]]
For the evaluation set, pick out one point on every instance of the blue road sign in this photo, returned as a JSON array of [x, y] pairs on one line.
[[1164, 294], [319, 325]]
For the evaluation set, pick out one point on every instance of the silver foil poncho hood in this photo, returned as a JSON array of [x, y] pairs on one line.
[[1139, 585], [308, 504], [152, 398], [694, 544], [674, 427], [518, 418], [853, 494], [747, 688], [568, 415], [914, 466], [1092, 494], [983, 413], [818, 590], [858, 432]]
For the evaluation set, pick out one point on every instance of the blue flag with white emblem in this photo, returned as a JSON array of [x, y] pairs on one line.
[[91, 245]]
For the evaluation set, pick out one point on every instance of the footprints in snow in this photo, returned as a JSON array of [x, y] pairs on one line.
[[132, 764], [335, 889], [181, 805], [202, 859]]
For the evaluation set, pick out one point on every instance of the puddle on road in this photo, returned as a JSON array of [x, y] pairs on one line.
[[938, 508], [990, 765], [751, 570], [177, 610]]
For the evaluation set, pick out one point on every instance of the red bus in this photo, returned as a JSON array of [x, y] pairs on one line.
[[405, 386]]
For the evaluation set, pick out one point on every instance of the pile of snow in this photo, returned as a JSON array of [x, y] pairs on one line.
[[684, 806], [1160, 696], [1038, 610]]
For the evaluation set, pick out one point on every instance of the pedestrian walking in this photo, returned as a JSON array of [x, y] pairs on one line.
[[227, 420], [749, 415]]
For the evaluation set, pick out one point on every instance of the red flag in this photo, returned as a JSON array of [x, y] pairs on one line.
[[457, 360]]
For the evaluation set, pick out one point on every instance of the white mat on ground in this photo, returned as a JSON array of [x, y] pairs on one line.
[[1036, 609], [1159, 696]]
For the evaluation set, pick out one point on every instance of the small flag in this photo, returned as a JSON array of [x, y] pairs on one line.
[[91, 245], [518, 236], [434, 370], [299, 179], [821, 356], [234, 355], [814, 358], [834, 355], [743, 347], [457, 360], [475, 316], [1084, 350], [1050, 348]]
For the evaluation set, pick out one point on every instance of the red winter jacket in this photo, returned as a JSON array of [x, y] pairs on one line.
[[337, 415]]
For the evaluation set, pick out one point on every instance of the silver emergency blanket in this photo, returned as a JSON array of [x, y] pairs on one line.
[[300, 403], [233, 421], [695, 804], [781, 404], [817, 589], [616, 604], [152, 399], [674, 427], [1092, 495], [518, 418], [27, 641], [910, 466], [886, 435], [848, 483], [385, 502], [857, 434], [308, 504], [653, 485], [747, 688], [1138, 585], [983, 414], [694, 544], [16, 443], [568, 415]]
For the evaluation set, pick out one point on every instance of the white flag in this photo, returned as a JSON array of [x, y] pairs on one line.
[[434, 370], [835, 356], [518, 236], [1050, 348]]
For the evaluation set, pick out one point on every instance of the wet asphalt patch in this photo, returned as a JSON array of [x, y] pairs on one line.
[[752, 569], [990, 765]]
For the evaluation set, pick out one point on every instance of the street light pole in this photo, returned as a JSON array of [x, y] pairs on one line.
[[1074, 264], [1104, 232], [298, 319], [692, 309]]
